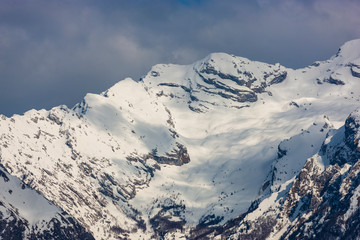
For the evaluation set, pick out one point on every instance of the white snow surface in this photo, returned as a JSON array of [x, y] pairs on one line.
[[232, 145], [30, 205], [18, 203]]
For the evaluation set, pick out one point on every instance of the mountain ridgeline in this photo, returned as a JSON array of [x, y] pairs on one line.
[[224, 148]]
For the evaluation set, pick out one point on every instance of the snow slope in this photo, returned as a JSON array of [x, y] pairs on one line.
[[320, 202], [185, 146], [26, 214]]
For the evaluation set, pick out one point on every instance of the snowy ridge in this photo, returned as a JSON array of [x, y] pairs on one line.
[[187, 150]]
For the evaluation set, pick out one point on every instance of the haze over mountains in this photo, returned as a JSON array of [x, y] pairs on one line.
[[223, 148]]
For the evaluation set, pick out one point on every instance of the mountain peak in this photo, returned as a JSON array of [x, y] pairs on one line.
[[219, 57], [350, 51]]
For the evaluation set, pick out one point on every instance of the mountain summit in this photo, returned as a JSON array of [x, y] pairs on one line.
[[223, 148]]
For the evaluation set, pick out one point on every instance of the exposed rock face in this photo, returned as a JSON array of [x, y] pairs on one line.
[[352, 135], [178, 156], [355, 70], [169, 219], [333, 80]]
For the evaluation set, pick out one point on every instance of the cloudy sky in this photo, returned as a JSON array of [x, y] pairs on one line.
[[54, 52]]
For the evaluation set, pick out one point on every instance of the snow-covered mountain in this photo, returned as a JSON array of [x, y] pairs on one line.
[[224, 147]]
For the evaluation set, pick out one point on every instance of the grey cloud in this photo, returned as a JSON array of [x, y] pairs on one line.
[[54, 52]]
